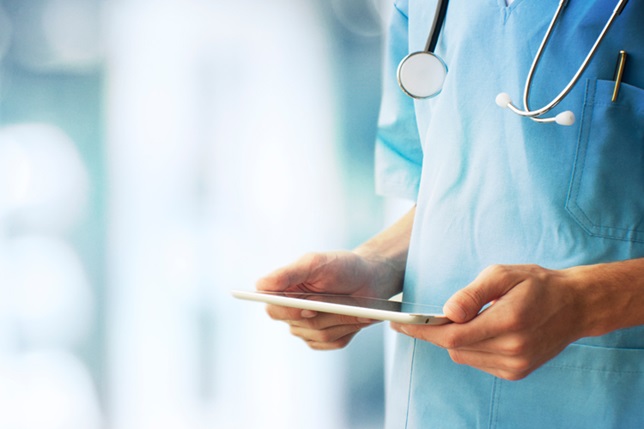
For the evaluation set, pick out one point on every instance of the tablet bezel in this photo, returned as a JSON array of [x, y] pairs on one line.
[[297, 300]]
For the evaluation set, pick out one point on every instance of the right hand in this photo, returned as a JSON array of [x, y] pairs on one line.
[[333, 272]]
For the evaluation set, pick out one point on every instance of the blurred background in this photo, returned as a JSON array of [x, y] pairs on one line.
[[154, 155]]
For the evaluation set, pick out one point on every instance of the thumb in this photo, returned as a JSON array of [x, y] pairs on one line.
[[491, 283], [292, 275]]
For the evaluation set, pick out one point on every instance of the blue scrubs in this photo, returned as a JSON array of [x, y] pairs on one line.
[[494, 188]]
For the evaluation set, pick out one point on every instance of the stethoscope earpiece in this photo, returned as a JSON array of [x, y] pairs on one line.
[[503, 100], [566, 118]]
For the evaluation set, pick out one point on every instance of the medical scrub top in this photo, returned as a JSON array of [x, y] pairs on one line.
[[495, 188]]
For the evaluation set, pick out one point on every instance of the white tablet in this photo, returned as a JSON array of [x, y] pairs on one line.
[[369, 308]]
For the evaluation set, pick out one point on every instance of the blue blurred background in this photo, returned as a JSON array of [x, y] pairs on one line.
[[155, 155]]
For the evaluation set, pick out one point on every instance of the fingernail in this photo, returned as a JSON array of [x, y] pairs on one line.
[[308, 314], [399, 328], [363, 320]]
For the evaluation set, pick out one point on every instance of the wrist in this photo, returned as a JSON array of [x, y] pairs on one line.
[[387, 271], [386, 256], [611, 295]]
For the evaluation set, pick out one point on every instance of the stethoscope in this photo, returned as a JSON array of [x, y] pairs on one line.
[[421, 74]]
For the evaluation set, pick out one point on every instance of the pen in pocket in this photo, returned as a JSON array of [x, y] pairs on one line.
[[619, 71]]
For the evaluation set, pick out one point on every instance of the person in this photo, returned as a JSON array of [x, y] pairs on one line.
[[530, 235]]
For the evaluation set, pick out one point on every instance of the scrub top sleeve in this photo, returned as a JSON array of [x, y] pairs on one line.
[[398, 153]]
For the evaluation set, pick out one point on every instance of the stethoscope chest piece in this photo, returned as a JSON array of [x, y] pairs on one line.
[[421, 74]]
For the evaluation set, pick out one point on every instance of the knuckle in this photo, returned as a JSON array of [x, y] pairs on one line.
[[519, 367], [510, 376], [450, 342], [343, 342], [314, 345], [313, 259], [337, 345], [328, 345], [457, 356], [516, 347], [325, 336], [313, 323], [280, 313], [272, 312], [517, 322], [513, 320], [496, 270], [296, 331]]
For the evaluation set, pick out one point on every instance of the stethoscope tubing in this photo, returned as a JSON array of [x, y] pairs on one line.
[[534, 114], [437, 24]]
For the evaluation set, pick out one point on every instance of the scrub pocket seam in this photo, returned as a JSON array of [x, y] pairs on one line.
[[591, 369], [575, 199]]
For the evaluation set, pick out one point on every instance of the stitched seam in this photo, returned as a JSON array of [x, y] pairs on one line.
[[411, 378], [598, 370], [494, 403], [580, 156]]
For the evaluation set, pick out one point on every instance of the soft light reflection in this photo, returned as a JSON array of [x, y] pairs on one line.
[[52, 299], [362, 17], [56, 35], [43, 182], [6, 30], [72, 30], [204, 140], [223, 159], [47, 390], [16, 174]]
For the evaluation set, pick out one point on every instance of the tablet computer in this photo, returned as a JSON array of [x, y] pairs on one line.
[[369, 308]]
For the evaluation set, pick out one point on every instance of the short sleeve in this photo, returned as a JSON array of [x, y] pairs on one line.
[[398, 156]]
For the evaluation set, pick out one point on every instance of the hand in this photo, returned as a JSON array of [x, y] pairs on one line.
[[534, 314], [334, 272]]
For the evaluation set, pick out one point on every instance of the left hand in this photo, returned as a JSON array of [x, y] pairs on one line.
[[534, 314]]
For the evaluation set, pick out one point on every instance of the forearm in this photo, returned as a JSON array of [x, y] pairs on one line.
[[613, 295], [387, 251]]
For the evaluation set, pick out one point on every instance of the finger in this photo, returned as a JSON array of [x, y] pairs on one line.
[[322, 340], [499, 357], [328, 320], [491, 283], [277, 312], [506, 367], [292, 277], [510, 346], [279, 280], [454, 336]]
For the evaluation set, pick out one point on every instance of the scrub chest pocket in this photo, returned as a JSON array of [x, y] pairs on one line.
[[606, 195]]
